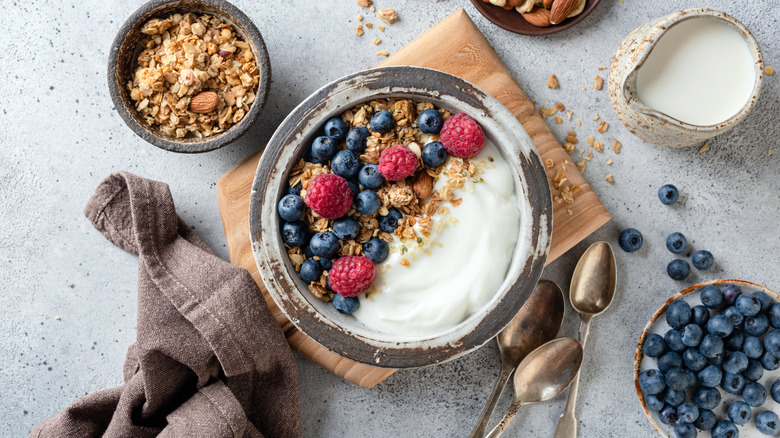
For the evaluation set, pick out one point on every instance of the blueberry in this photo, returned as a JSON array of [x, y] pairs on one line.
[[678, 314], [668, 415], [720, 325], [685, 430], [711, 346], [669, 360], [389, 223], [774, 315], [668, 194], [678, 269], [694, 360], [710, 376], [654, 403], [772, 342], [767, 422], [654, 346], [326, 263], [336, 129], [311, 270], [691, 335], [345, 164], [676, 243], [754, 371], [295, 233], [688, 412], [367, 203], [733, 314], [323, 149], [769, 361], [370, 177], [355, 189], [765, 299], [651, 382], [706, 421], [295, 190], [680, 379], [752, 347], [673, 397], [734, 341], [345, 304], [732, 383], [376, 249], [735, 362], [717, 360], [674, 341], [630, 240], [754, 394], [434, 154], [707, 398], [702, 260], [730, 294], [346, 228], [700, 315], [291, 208], [756, 325], [748, 305], [382, 122], [324, 244], [774, 391], [356, 139], [725, 429], [711, 297], [739, 412], [430, 121]]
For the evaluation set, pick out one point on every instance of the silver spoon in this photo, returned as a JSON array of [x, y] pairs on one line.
[[591, 292], [537, 322], [542, 375]]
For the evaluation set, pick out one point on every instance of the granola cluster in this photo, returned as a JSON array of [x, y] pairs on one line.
[[187, 55]]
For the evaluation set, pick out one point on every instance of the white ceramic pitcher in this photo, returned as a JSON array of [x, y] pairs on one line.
[[655, 126]]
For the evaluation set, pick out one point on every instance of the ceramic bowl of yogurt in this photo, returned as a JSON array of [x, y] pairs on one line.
[[433, 302]]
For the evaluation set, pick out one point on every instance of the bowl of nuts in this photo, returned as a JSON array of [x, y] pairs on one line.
[[535, 17], [189, 75], [400, 217]]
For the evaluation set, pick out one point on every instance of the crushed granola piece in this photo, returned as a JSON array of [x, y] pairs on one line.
[[377, 41], [559, 106], [372, 8], [404, 262], [558, 120], [602, 68], [608, 178], [572, 138], [616, 146], [579, 122], [582, 165], [595, 117], [603, 126], [598, 83], [769, 70], [549, 163], [609, 162], [383, 53], [359, 30], [547, 112], [359, 18], [705, 147], [569, 113], [569, 148], [364, 3], [552, 81], [369, 25], [380, 27], [568, 210], [389, 16], [589, 139], [598, 146]]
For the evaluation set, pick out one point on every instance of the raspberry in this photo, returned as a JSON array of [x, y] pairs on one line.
[[462, 136], [329, 196], [397, 162], [351, 275]]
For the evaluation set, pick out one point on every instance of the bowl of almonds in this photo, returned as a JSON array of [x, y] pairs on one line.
[[189, 75], [535, 17]]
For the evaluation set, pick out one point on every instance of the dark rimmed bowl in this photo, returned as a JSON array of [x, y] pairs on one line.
[[125, 50], [343, 334], [513, 21]]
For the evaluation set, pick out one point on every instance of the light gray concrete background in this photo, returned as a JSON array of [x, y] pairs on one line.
[[59, 136]]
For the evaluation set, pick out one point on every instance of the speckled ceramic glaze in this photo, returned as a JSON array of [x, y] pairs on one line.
[[343, 334], [654, 126], [125, 50], [658, 325]]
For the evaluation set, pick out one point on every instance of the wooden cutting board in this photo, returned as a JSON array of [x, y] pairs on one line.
[[463, 51]]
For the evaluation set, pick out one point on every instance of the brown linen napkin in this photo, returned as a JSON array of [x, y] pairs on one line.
[[209, 360]]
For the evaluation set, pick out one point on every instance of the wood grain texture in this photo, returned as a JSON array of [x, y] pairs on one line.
[[463, 51]]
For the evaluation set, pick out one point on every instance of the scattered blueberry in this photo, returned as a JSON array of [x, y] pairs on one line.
[[739, 412], [730, 294], [688, 412], [676, 243], [291, 208], [654, 403], [685, 430], [706, 421], [754, 394], [434, 154], [711, 346], [430, 121], [732, 383], [752, 347], [769, 361], [295, 233], [702, 260], [772, 342], [694, 360], [707, 398], [323, 149], [767, 422], [630, 240], [370, 177], [691, 335], [754, 371], [700, 315], [735, 363], [756, 325], [711, 297], [336, 129], [678, 269], [324, 244], [389, 223], [356, 139], [774, 391], [674, 341], [376, 249], [720, 325], [678, 314], [733, 342], [654, 346], [367, 203], [345, 164], [668, 415], [651, 382], [311, 270], [668, 194], [725, 429], [382, 122], [673, 397], [710, 376], [669, 360], [345, 304], [346, 228]]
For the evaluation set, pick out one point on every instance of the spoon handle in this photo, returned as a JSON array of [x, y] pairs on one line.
[[484, 420], [567, 424], [510, 414]]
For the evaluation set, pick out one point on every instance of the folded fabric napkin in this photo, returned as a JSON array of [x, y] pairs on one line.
[[209, 359]]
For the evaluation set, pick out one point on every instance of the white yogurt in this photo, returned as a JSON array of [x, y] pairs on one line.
[[459, 267], [700, 72]]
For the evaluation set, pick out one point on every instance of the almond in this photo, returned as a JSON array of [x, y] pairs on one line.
[[422, 185], [547, 4], [561, 9], [538, 17], [204, 102]]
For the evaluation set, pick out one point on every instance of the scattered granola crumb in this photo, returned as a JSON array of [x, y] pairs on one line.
[[569, 113], [388, 15], [769, 70], [404, 262], [552, 81], [616, 146], [359, 30], [380, 27], [547, 112], [595, 117], [608, 178], [372, 8], [572, 138], [609, 162], [705, 147], [359, 18], [590, 153], [769, 151], [579, 122], [377, 41], [57, 318], [569, 148], [589, 140], [558, 120], [598, 146], [549, 163], [598, 83], [369, 25], [364, 3], [620, 1], [603, 127], [383, 53], [584, 89], [559, 106], [568, 210], [582, 165], [602, 68]]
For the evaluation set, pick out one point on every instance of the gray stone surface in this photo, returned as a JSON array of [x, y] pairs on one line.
[[60, 136]]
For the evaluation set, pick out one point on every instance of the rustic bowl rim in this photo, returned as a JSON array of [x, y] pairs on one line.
[[349, 339], [503, 19], [245, 27], [639, 354]]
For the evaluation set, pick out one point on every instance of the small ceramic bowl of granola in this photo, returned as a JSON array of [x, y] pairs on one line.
[[434, 227], [189, 75]]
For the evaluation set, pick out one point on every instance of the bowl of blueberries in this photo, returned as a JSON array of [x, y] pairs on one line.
[[708, 360]]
